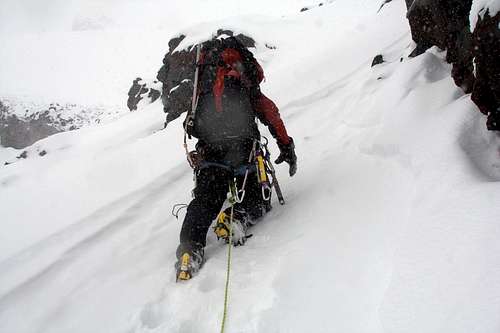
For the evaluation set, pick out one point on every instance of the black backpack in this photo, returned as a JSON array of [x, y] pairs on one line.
[[236, 120]]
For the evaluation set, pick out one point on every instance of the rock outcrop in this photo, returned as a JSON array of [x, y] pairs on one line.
[[22, 123], [445, 24], [142, 91], [377, 60], [486, 91], [20, 133], [320, 4]]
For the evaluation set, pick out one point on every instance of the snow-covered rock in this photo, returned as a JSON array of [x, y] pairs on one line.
[[146, 91], [24, 122], [474, 56], [321, 4], [482, 7]]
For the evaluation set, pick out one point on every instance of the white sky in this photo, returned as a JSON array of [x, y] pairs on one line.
[[60, 15]]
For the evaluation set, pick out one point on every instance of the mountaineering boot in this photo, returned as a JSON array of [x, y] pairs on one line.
[[189, 261], [239, 226]]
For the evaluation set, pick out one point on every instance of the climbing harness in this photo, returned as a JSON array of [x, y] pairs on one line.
[[176, 209]]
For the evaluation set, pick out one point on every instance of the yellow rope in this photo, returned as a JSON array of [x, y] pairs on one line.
[[228, 272]]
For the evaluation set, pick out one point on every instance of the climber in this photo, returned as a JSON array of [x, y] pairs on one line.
[[228, 102]]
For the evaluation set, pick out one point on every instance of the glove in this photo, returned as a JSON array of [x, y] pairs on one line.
[[287, 154]]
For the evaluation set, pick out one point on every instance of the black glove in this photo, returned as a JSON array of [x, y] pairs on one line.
[[287, 154]]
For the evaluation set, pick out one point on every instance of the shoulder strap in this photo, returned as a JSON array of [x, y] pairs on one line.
[[189, 121]]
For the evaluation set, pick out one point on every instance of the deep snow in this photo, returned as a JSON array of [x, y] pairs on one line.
[[391, 223]]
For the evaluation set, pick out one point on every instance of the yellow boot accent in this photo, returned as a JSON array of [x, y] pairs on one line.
[[221, 229], [184, 269], [184, 276]]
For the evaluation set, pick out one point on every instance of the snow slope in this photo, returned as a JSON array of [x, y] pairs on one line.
[[391, 223]]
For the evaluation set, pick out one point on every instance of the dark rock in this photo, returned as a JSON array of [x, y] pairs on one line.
[[379, 59], [386, 2], [425, 31], [154, 94], [19, 133], [176, 77], [462, 70], [23, 155], [139, 91], [419, 49], [445, 24], [23, 122], [321, 4], [438, 22], [486, 47], [179, 100], [174, 42], [221, 32], [42, 153], [134, 94], [245, 40]]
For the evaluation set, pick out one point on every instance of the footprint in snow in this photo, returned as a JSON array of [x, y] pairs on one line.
[[482, 147], [208, 284], [150, 315]]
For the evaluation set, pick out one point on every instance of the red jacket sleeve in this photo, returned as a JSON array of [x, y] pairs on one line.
[[269, 115]]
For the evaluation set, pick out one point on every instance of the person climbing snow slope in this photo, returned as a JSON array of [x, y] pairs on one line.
[[228, 101]]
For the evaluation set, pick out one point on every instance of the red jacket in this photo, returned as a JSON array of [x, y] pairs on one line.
[[264, 108]]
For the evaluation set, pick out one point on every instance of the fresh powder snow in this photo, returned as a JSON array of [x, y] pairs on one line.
[[391, 223]]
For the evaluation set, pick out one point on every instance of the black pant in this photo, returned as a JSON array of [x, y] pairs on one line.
[[212, 187]]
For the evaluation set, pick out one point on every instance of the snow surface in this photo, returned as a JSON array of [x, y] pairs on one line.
[[479, 9], [391, 223]]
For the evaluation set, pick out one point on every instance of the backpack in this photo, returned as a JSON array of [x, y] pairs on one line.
[[228, 83]]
